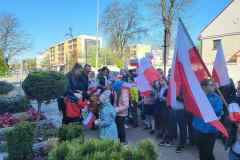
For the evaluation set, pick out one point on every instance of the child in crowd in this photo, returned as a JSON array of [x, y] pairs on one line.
[[121, 102], [134, 105], [107, 115], [149, 112], [234, 141]]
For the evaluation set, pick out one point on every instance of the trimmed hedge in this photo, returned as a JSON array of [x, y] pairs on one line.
[[95, 149], [5, 87], [14, 104], [70, 132], [44, 85], [20, 142]]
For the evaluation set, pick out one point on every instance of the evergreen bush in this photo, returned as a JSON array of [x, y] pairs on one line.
[[20, 142], [3, 66], [44, 86], [70, 132], [14, 104], [5, 87], [96, 149]]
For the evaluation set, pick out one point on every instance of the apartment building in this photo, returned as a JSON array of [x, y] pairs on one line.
[[65, 54], [138, 50]]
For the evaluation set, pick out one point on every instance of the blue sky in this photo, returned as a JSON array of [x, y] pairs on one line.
[[47, 21]]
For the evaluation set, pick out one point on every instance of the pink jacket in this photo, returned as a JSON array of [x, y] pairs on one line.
[[122, 108]]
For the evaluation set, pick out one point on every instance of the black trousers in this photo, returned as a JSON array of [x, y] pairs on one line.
[[205, 145], [181, 122], [67, 120], [134, 115], [120, 121]]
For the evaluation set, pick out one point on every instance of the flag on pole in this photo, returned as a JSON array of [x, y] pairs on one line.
[[147, 74], [143, 86], [146, 68], [188, 69], [220, 72]]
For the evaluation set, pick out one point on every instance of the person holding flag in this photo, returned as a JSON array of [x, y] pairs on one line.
[[204, 132], [191, 74]]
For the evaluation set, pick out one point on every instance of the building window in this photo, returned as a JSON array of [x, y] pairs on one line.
[[74, 41], [215, 42]]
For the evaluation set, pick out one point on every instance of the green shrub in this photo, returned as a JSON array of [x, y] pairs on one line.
[[95, 149], [14, 104], [146, 149], [20, 142], [3, 66], [5, 87], [44, 86], [70, 132], [60, 152]]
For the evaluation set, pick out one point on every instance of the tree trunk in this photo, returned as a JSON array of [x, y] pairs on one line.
[[167, 42], [39, 104]]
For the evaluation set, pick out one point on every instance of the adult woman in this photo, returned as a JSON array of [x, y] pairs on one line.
[[74, 96]]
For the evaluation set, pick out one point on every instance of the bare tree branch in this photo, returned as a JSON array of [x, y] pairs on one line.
[[123, 24], [13, 40]]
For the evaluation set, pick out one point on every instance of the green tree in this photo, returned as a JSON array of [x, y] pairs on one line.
[[106, 57], [45, 63], [3, 65], [29, 64], [44, 86]]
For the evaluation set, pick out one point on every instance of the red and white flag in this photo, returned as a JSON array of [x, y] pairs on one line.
[[146, 68], [220, 72], [234, 112], [188, 69], [143, 86], [134, 62], [88, 122], [147, 74]]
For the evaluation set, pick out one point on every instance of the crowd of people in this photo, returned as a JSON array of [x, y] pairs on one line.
[[116, 103]]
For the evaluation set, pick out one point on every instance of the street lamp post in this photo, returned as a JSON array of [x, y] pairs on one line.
[[97, 28]]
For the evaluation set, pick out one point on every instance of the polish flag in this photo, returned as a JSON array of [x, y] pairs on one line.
[[234, 112], [147, 74], [134, 62], [220, 72], [143, 86], [146, 68], [186, 75], [88, 122]]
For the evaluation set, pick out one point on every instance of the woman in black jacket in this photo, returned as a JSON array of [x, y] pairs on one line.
[[74, 91]]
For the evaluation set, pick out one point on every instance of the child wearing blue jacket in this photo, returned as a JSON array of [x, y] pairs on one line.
[[107, 115]]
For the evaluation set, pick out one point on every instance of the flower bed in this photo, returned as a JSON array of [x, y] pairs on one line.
[[9, 119]]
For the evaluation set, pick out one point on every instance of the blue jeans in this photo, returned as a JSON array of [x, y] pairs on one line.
[[233, 156]]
